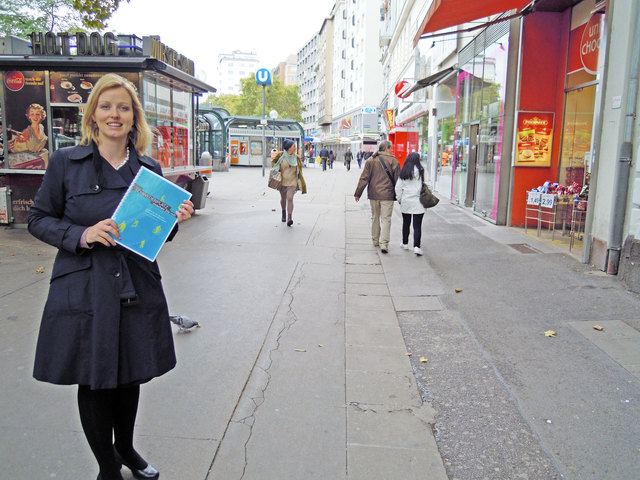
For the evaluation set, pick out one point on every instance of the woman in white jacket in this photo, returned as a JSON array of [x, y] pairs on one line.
[[408, 195]]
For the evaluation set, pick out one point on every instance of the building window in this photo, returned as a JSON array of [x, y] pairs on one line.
[[353, 20], [351, 86]]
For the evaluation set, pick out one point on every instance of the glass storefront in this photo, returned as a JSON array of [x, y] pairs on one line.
[[478, 143], [169, 113], [577, 132], [445, 134]]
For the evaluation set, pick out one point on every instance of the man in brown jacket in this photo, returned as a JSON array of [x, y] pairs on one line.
[[379, 175]]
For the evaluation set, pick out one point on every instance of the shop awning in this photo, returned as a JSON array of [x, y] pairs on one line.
[[431, 79], [448, 13]]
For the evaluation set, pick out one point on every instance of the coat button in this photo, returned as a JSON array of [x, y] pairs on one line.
[[117, 274], [95, 188]]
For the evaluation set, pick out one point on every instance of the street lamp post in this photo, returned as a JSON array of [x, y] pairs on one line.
[[274, 114]]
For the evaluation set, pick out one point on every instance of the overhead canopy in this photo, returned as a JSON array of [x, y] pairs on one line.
[[448, 13], [431, 79]]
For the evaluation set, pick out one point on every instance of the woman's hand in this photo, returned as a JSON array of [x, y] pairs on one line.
[[100, 233], [185, 211]]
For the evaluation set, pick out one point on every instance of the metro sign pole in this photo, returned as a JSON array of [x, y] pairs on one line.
[[263, 77]]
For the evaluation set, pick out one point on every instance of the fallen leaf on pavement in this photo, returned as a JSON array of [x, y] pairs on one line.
[[549, 333], [458, 290], [598, 327], [320, 345], [300, 350], [408, 354], [40, 270], [424, 360], [273, 209]]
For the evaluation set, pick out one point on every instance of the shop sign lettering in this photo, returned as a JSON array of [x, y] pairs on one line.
[[590, 44], [156, 49], [86, 44]]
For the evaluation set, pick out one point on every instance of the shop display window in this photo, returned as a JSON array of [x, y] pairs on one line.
[[66, 126], [169, 115], [577, 132], [482, 90]]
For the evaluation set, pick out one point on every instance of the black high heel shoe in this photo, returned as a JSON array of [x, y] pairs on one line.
[[148, 472]]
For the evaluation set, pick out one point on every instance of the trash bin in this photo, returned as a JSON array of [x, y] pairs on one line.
[[199, 190]]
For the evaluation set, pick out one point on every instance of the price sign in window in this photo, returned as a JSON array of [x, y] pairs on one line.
[[533, 198], [547, 200]]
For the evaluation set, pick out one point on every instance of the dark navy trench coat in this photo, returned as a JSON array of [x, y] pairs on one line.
[[105, 322]]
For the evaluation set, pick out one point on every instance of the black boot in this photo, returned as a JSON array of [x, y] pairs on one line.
[[284, 215], [290, 221]]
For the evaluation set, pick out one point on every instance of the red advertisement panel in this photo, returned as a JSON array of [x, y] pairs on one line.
[[535, 138]]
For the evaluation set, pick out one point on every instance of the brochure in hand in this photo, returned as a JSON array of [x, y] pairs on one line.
[[147, 213]]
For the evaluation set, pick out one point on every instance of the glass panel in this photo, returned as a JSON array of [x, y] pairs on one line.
[[462, 161], [65, 125], [576, 143], [487, 168], [495, 78], [470, 88], [182, 126]]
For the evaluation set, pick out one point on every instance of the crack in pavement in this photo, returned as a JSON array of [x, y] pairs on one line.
[[259, 377]]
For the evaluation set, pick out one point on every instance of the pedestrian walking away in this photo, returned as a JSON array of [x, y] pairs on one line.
[[359, 158], [324, 157], [408, 190], [332, 158], [290, 167], [105, 325], [379, 176], [348, 156]]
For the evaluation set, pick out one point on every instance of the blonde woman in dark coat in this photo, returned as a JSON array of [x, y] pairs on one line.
[[105, 325]]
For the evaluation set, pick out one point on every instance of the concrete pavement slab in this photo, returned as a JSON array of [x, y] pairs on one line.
[[417, 303], [376, 278]]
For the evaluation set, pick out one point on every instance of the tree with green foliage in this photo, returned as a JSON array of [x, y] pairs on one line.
[[21, 17], [285, 100]]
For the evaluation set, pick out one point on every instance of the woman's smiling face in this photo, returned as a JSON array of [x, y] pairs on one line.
[[113, 114]]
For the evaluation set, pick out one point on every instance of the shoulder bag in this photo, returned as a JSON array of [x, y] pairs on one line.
[[393, 184], [427, 198]]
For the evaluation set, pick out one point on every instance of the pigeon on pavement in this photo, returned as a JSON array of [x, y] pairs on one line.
[[185, 324]]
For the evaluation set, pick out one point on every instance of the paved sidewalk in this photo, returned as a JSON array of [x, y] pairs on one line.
[[301, 367]]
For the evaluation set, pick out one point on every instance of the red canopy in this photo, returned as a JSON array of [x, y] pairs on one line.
[[448, 13]]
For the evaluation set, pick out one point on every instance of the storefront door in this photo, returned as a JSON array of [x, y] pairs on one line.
[[472, 163]]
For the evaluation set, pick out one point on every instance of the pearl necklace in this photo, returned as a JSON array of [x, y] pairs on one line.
[[126, 159]]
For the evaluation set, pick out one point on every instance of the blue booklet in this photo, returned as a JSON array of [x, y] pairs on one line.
[[147, 213]]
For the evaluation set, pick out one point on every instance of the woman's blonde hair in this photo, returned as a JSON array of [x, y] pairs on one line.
[[39, 108], [140, 134]]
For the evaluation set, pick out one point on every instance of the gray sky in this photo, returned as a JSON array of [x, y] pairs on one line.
[[201, 30]]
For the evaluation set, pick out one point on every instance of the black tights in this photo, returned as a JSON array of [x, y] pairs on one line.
[[106, 415], [286, 200], [417, 228]]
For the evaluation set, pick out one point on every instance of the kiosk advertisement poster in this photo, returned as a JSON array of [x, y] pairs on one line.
[[535, 134], [75, 87], [26, 123]]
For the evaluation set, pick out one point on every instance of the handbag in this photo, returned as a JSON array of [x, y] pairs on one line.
[[427, 198], [275, 180]]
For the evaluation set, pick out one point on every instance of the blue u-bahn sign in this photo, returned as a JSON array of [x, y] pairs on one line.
[[263, 77]]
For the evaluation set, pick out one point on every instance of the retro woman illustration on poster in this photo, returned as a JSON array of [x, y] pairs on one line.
[[26, 120]]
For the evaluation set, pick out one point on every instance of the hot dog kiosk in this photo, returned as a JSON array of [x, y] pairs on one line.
[[45, 82]]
